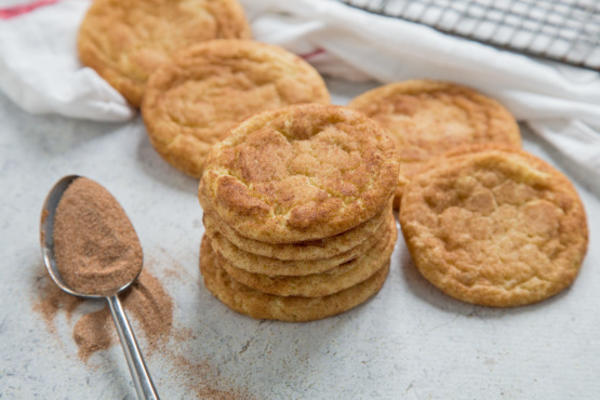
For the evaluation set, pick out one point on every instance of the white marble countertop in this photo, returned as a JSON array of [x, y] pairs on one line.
[[409, 342]]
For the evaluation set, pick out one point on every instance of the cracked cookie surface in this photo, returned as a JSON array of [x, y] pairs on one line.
[[300, 173], [321, 284], [495, 227], [427, 118], [309, 250], [253, 303], [194, 100], [125, 40]]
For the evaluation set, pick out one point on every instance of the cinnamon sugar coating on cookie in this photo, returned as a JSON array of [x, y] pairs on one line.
[[346, 241], [194, 101], [256, 304], [427, 118], [125, 40], [300, 173], [495, 227], [334, 280], [272, 266]]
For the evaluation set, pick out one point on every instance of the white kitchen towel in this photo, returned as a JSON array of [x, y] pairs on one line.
[[559, 102], [39, 68]]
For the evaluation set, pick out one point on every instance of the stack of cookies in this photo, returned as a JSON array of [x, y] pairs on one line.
[[298, 213]]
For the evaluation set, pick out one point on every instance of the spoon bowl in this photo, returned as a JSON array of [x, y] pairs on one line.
[[47, 239], [141, 377]]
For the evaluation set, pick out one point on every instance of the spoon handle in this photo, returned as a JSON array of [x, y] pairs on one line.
[[137, 367]]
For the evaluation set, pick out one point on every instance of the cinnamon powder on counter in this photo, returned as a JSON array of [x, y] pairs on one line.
[[52, 299], [149, 304], [96, 248], [201, 379], [146, 301]]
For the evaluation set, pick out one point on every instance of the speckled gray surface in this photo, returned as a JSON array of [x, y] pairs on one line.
[[409, 342]]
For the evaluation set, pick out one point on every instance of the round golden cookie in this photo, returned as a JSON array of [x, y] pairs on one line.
[[427, 118], [271, 266], [495, 227], [260, 305], [194, 101], [300, 173], [317, 285], [310, 250], [125, 40]]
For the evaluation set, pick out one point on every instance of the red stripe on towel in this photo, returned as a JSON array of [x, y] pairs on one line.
[[15, 11], [316, 52]]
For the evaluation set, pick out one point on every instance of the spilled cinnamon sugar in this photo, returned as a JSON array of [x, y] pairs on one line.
[[51, 300], [148, 304], [96, 248], [200, 379], [146, 301]]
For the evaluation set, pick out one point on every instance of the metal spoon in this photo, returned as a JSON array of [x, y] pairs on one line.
[[137, 367]]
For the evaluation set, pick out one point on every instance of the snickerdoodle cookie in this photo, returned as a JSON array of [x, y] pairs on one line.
[[308, 250], [256, 304], [194, 100], [125, 40], [427, 118], [272, 266], [300, 173], [495, 227], [322, 284]]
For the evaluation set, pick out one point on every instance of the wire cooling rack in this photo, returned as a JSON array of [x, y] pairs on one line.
[[562, 30]]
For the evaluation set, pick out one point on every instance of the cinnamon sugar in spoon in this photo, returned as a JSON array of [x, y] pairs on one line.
[[91, 250]]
